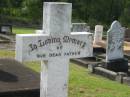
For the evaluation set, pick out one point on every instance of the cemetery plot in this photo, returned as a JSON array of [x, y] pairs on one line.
[[57, 45], [54, 46], [17, 80]]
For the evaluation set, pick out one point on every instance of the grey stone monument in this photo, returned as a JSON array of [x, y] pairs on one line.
[[114, 50], [80, 27]]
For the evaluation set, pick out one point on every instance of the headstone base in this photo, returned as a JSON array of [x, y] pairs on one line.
[[118, 65]]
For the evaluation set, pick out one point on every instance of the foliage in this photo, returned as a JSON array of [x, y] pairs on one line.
[[89, 11], [32, 9], [125, 17]]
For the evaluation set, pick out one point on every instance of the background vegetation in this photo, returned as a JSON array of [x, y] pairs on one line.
[[29, 12]]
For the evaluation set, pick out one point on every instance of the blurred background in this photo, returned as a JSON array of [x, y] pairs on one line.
[[28, 13]]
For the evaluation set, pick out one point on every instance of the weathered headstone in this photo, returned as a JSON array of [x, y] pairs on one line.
[[6, 29], [127, 34], [56, 46], [114, 50], [98, 33], [115, 42], [80, 27]]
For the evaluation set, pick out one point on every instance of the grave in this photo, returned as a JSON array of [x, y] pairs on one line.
[[114, 50], [6, 29], [55, 47], [80, 27], [98, 43], [114, 67], [16, 80], [98, 34]]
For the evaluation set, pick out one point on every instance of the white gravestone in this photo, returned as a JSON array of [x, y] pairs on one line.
[[55, 46], [98, 33], [80, 27], [115, 40]]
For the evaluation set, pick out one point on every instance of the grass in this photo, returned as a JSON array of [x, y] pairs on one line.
[[17, 30], [6, 54], [81, 83]]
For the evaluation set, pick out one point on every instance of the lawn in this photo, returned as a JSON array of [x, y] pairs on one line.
[[18, 30], [81, 82]]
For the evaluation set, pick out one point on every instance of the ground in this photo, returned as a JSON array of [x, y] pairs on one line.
[[81, 82]]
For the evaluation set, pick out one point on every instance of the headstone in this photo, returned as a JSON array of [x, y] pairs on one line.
[[114, 49], [98, 34], [80, 27], [115, 42], [127, 34], [6, 29], [55, 47]]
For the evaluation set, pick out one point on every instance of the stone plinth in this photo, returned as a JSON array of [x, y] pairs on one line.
[[118, 65]]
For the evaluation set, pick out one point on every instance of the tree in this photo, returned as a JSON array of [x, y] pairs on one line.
[[125, 17], [32, 9]]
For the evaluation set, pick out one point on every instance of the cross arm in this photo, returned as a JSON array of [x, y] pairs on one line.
[[43, 47]]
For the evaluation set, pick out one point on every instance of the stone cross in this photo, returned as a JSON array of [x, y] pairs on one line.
[[54, 48], [80, 27], [115, 40], [98, 33]]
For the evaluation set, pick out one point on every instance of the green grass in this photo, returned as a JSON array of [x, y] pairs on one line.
[[11, 54], [6, 54], [83, 84], [17, 30], [33, 65]]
